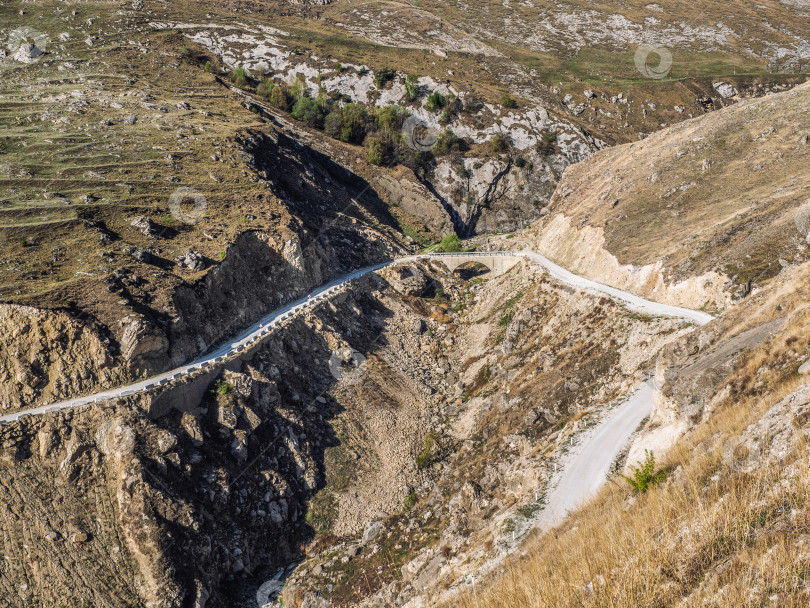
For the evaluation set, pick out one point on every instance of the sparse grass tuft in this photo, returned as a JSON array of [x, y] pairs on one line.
[[644, 475]]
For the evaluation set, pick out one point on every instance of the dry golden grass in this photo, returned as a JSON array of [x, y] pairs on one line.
[[709, 528]]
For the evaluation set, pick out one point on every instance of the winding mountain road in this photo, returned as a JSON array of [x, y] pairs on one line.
[[587, 465], [266, 324]]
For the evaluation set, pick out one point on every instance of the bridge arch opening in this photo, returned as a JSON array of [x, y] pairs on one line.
[[472, 270]]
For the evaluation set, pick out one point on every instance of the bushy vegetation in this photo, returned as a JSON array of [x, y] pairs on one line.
[[499, 143], [428, 454], [411, 88], [450, 243], [375, 151], [309, 111], [548, 144], [644, 475], [265, 89], [382, 76], [239, 77], [378, 129], [507, 101], [447, 143], [221, 387], [435, 101]]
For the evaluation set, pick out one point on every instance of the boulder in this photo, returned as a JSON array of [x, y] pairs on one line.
[[146, 226], [192, 260], [371, 531], [418, 326], [409, 281], [27, 52]]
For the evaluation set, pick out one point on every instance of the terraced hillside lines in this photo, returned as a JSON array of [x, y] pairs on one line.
[[44, 557]]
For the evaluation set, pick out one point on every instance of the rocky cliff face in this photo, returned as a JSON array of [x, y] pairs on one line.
[[751, 349]]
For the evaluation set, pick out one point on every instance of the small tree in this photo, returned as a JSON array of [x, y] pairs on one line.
[[411, 87], [333, 123], [644, 475], [309, 111], [239, 77], [355, 121], [299, 89], [265, 89], [375, 150], [435, 101], [390, 119], [450, 243], [322, 96], [279, 98]]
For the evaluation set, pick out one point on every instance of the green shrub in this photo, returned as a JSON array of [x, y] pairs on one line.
[[354, 123], [239, 77], [309, 111], [411, 87], [382, 76], [447, 143], [390, 119], [499, 142], [547, 144], [644, 475], [375, 151], [333, 123], [410, 500], [265, 89], [279, 98], [427, 456], [450, 243], [208, 66], [221, 387], [435, 101], [507, 101], [299, 88], [520, 161]]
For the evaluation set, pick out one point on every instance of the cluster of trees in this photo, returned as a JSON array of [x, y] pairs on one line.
[[378, 129]]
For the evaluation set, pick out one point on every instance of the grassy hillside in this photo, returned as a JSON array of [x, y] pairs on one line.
[[725, 193]]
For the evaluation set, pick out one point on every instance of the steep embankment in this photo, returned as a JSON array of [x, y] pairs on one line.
[[698, 214], [728, 527]]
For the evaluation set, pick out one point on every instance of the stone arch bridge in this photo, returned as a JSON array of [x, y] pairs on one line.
[[497, 262]]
